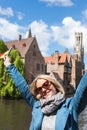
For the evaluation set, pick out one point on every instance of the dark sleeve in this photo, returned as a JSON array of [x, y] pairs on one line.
[[79, 100], [21, 84]]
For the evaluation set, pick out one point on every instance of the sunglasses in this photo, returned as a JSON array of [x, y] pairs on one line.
[[45, 85]]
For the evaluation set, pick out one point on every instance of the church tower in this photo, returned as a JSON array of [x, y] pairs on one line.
[[79, 49], [78, 59]]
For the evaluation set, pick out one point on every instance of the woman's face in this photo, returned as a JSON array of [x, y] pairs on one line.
[[45, 88]]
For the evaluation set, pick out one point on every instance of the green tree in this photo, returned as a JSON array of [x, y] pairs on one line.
[[3, 47], [7, 87]]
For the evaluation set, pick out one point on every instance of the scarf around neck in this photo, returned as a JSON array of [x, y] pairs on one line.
[[51, 104]]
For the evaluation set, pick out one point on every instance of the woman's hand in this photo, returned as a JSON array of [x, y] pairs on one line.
[[6, 60]]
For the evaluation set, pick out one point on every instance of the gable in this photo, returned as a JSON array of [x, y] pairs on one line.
[[22, 45], [61, 58]]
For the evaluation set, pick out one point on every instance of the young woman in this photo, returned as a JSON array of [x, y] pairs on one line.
[[45, 95]]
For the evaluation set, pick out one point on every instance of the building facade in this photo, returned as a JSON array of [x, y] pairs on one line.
[[31, 55], [78, 59], [68, 67], [65, 67]]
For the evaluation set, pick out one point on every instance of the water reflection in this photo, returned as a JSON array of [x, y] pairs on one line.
[[16, 115]]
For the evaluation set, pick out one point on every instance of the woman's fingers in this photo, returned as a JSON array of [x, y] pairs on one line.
[[6, 60]]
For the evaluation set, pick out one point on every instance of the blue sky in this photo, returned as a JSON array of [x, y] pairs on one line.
[[53, 22]]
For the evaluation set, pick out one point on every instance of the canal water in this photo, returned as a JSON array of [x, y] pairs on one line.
[[16, 115]]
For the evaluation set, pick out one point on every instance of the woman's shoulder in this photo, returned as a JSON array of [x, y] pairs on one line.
[[67, 102]]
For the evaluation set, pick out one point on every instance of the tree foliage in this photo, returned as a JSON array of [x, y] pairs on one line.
[[3, 47], [7, 87]]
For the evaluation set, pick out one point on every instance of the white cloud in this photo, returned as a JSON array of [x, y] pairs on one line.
[[7, 12], [9, 31], [10, 13], [43, 35], [84, 13], [58, 2], [46, 35], [65, 34], [20, 15]]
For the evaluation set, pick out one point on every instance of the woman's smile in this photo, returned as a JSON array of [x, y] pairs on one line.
[[45, 88]]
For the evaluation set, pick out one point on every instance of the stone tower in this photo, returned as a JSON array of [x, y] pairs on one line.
[[79, 49], [78, 59]]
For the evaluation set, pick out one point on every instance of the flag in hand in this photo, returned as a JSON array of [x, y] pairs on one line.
[[6, 53], [3, 55]]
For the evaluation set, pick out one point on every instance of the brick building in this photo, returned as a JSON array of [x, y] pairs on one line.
[[68, 68], [60, 66], [29, 50]]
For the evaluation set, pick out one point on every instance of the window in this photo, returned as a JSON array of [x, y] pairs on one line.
[[34, 46], [38, 66], [24, 44], [42, 67], [34, 53], [65, 69]]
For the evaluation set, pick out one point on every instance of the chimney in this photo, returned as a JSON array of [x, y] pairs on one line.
[[20, 37]]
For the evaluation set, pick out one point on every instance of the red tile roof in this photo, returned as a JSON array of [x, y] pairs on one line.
[[50, 59], [22, 45], [61, 58]]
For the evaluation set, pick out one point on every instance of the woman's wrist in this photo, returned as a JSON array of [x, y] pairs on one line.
[[7, 61]]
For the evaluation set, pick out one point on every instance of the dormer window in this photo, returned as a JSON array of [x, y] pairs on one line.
[[24, 44]]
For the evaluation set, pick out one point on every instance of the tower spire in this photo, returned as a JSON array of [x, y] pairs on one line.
[[29, 34]]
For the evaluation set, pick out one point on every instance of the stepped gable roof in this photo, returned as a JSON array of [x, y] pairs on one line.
[[50, 59], [22, 45], [61, 58]]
